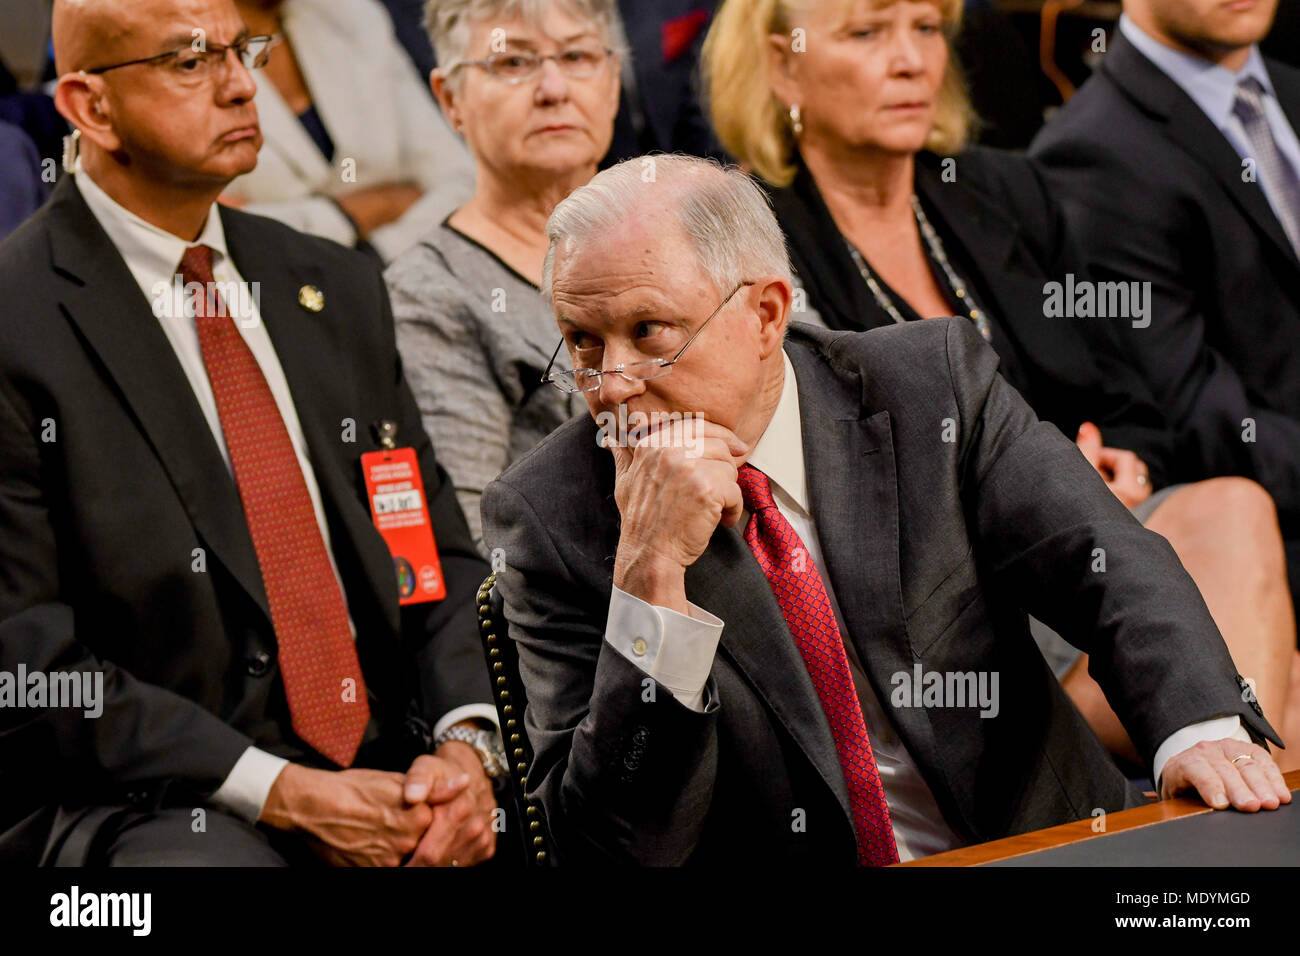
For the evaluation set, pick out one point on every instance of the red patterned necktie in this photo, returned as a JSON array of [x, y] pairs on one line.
[[798, 589], [317, 653]]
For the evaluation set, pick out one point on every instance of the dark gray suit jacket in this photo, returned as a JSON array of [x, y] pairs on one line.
[[933, 548]]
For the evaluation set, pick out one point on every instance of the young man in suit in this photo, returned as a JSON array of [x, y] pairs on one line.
[[191, 483], [732, 622], [1178, 163]]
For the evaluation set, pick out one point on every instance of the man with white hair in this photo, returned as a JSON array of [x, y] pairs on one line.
[[774, 617]]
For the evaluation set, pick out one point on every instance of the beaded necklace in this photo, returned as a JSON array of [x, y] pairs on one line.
[[955, 282]]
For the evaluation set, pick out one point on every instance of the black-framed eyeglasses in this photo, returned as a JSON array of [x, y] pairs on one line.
[[577, 63], [589, 379], [204, 60]]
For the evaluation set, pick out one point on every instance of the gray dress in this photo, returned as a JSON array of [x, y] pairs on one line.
[[475, 337]]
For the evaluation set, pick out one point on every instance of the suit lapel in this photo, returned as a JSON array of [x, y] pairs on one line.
[[1188, 126], [105, 303], [314, 362], [853, 492]]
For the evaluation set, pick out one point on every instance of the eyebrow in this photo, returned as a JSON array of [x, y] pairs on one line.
[[532, 44]]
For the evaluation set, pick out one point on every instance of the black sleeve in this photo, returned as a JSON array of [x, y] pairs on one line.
[[1219, 428], [141, 732]]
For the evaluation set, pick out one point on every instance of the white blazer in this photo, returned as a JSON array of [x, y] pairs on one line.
[[385, 126]]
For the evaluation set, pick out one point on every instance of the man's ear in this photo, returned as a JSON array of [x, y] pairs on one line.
[[81, 100], [774, 294]]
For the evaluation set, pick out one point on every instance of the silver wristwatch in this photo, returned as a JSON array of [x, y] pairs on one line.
[[486, 743]]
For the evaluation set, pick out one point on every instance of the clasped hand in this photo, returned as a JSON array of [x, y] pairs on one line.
[[439, 813]]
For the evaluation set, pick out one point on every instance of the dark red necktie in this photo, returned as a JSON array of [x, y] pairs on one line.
[[318, 657], [799, 591]]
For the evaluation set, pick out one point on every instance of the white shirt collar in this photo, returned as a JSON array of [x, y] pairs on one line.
[[779, 453], [152, 254], [1212, 87]]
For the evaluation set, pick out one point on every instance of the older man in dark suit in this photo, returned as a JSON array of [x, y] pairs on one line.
[[781, 617], [1178, 164], [202, 419]]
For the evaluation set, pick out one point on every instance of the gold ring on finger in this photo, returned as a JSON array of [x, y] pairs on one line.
[[1241, 757]]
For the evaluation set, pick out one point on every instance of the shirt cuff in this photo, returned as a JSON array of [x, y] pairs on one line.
[[467, 712], [246, 787], [676, 650], [1216, 728]]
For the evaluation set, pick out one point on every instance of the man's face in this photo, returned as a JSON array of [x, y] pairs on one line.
[[1209, 26], [175, 125], [640, 293]]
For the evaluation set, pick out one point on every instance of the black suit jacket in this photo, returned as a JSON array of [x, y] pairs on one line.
[[1155, 193], [111, 486], [932, 548], [1007, 239]]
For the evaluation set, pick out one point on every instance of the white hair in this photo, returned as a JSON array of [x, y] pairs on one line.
[[725, 215], [448, 21]]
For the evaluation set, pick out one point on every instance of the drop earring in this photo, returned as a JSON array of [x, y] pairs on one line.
[[796, 120]]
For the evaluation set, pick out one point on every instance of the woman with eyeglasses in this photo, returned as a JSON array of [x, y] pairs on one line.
[[533, 87], [354, 149]]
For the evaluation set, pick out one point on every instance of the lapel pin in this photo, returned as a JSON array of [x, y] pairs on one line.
[[311, 298]]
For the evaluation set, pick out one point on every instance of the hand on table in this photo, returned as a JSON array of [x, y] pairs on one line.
[[1209, 769]]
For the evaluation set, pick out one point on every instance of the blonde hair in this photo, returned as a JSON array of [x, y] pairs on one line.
[[753, 124]]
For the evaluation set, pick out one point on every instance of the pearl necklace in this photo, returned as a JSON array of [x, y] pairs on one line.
[[932, 241]]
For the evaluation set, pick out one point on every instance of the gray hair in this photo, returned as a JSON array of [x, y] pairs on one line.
[[449, 21], [726, 216]]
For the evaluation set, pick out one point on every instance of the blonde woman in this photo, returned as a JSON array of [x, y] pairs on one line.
[[854, 114]]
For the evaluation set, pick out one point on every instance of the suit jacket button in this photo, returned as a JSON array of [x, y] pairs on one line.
[[259, 664]]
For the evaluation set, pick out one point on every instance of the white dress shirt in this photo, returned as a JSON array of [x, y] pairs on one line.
[[677, 651], [153, 257]]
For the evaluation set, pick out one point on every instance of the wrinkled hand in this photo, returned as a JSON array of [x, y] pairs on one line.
[[673, 488], [351, 817], [1208, 769], [1125, 473], [460, 832]]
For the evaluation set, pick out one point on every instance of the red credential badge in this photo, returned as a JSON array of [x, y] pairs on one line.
[[398, 508]]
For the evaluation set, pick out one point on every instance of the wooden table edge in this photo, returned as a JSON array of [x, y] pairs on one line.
[[1067, 833]]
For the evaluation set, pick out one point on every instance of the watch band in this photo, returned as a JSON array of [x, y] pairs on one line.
[[485, 743]]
